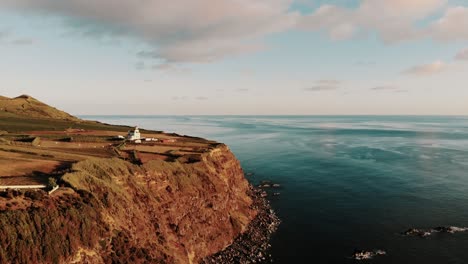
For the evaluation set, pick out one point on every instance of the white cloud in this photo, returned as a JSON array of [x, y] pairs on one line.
[[453, 25], [187, 31], [7, 38], [177, 31], [3, 35], [243, 90], [462, 55], [22, 41], [428, 69], [329, 82], [324, 85], [384, 88], [393, 20]]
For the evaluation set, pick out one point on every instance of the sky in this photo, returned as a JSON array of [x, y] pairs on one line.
[[238, 57]]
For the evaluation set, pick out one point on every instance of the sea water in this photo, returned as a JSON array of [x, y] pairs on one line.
[[349, 182]]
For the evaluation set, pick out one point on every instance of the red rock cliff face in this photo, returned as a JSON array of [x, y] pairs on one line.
[[169, 212]]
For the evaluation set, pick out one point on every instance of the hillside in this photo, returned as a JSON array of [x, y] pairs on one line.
[[117, 212], [171, 199], [27, 106], [25, 113]]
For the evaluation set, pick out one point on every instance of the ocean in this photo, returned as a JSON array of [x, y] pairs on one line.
[[349, 182]]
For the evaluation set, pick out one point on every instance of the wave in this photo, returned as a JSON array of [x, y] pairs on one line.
[[431, 231]]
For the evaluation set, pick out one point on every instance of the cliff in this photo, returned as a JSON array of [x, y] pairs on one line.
[[169, 199], [118, 212]]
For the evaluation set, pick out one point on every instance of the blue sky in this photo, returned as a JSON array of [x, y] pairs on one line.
[[238, 56]]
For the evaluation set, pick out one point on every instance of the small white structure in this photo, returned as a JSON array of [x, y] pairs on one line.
[[134, 134], [19, 187]]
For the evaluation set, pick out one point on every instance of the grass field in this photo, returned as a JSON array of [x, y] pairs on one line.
[[29, 153], [37, 141]]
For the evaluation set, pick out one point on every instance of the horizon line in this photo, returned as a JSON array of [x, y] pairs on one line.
[[275, 115]]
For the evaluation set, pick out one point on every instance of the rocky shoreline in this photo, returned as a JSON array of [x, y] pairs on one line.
[[253, 245]]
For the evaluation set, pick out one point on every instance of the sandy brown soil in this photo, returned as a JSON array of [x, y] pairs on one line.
[[15, 164], [71, 132], [24, 163]]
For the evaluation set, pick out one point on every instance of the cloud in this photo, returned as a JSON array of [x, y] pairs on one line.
[[427, 69], [175, 68], [163, 67], [200, 31], [3, 35], [324, 85], [318, 88], [248, 73], [9, 39], [243, 90], [180, 32], [177, 98], [452, 26], [393, 20], [462, 55], [384, 88], [140, 65], [366, 63], [329, 82], [22, 41]]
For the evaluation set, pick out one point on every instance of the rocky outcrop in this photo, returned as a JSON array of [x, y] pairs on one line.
[[118, 212]]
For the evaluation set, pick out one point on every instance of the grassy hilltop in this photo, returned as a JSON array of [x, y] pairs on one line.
[[37, 140], [25, 113]]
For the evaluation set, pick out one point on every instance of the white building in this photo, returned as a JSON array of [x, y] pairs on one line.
[[134, 134]]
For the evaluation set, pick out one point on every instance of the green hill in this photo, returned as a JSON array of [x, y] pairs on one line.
[[30, 107], [25, 113]]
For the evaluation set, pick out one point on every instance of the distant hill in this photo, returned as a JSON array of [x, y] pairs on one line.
[[25, 113], [30, 107]]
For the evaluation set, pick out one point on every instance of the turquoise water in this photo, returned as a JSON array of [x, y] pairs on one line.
[[349, 182]]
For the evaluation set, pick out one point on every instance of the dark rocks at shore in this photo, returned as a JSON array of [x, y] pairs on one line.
[[253, 245], [366, 255], [416, 232], [439, 229], [268, 184], [450, 229]]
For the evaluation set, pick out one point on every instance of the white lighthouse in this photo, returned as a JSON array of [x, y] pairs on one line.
[[134, 134]]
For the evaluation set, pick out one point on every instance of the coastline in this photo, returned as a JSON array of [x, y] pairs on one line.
[[253, 245]]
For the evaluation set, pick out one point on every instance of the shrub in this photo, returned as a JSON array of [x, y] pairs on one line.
[[52, 183]]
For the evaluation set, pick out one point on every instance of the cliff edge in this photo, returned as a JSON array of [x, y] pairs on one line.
[[118, 212], [165, 198]]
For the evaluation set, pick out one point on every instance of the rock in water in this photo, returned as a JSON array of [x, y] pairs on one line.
[[429, 232], [365, 255]]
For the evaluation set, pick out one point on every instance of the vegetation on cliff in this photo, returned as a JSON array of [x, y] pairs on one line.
[[178, 200], [26, 105], [25, 113], [49, 229], [118, 212]]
